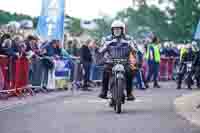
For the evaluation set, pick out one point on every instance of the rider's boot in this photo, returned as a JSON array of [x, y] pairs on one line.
[[123, 99], [178, 87], [179, 83], [190, 88], [156, 85], [105, 85], [111, 104], [198, 85], [146, 85], [103, 94], [130, 96]]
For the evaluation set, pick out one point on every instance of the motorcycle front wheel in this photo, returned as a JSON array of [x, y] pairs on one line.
[[119, 90], [118, 107]]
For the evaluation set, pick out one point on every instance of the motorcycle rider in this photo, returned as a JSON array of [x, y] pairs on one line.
[[187, 56], [118, 45], [196, 65]]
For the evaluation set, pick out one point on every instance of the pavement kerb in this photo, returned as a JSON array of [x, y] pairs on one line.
[[186, 106]]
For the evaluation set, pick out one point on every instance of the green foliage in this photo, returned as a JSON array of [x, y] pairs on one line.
[[177, 22], [185, 17], [103, 28], [74, 26], [6, 17]]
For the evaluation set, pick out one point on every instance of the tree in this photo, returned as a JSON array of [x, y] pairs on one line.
[[6, 17], [177, 22], [103, 27], [75, 26], [184, 16], [145, 19]]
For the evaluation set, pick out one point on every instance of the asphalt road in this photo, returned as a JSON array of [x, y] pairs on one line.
[[152, 112]]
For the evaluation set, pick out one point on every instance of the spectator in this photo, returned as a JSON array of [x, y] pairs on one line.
[[141, 81], [153, 57], [86, 60], [22, 50], [176, 52], [75, 51], [183, 51], [52, 49], [16, 43], [31, 43], [7, 48], [61, 52], [4, 37], [69, 49], [165, 50], [2, 48], [32, 46], [93, 49]]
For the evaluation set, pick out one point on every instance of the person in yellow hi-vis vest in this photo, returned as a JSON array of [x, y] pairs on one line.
[[153, 59], [183, 51]]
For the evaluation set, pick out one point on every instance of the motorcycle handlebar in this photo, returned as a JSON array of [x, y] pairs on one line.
[[115, 60], [187, 62]]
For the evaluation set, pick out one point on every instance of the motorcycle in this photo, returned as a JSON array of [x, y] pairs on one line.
[[117, 83]]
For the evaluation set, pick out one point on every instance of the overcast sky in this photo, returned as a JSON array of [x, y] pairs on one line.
[[85, 9]]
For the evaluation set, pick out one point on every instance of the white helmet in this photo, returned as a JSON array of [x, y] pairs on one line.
[[194, 43], [118, 24]]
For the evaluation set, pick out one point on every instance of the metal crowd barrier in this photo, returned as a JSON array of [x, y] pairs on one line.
[[15, 76], [51, 79], [167, 70], [20, 76], [167, 67]]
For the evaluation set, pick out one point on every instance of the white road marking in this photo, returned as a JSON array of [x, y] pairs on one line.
[[8, 107], [94, 101]]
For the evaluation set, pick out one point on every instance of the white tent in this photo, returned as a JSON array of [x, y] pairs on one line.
[[14, 25], [26, 24], [89, 25]]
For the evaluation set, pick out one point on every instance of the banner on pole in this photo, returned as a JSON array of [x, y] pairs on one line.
[[197, 33], [51, 21]]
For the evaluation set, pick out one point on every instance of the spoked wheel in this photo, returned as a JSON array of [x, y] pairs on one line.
[[118, 96]]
